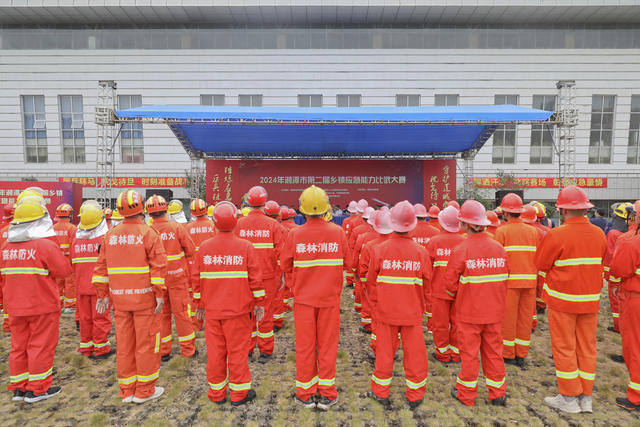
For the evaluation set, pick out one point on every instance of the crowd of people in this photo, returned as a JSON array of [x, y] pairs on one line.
[[479, 277]]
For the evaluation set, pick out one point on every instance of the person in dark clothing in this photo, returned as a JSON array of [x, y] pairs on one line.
[[598, 219]]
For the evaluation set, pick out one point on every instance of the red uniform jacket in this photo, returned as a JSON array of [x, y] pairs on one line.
[[360, 242], [65, 232], [28, 270], [477, 275], [84, 257], [289, 224], [351, 222], [367, 255], [440, 249], [316, 253], [570, 258], [520, 241], [423, 233], [132, 266], [434, 222], [267, 237], [227, 275], [612, 237], [403, 273], [360, 229], [179, 248], [200, 230], [625, 263]]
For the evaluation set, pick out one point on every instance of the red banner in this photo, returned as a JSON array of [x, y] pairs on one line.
[[536, 182], [378, 181], [55, 193], [130, 181]]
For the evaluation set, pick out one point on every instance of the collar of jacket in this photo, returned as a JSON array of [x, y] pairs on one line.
[[515, 220], [315, 220], [395, 235], [256, 212], [132, 220], [577, 220], [482, 235]]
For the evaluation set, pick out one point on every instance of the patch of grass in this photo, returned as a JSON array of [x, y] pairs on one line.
[[98, 419], [155, 421]]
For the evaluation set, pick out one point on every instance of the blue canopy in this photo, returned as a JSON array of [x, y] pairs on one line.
[[326, 132]]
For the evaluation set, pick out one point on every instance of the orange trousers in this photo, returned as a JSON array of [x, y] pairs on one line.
[[365, 311], [573, 344], [445, 330], [228, 361], [137, 352], [262, 334], [69, 292], [357, 295], [629, 321], [516, 326], [415, 360], [614, 303], [317, 334], [33, 347], [487, 340], [94, 327], [178, 304]]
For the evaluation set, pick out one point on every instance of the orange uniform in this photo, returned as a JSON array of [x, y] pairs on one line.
[[477, 274], [31, 297], [361, 296], [179, 248], [403, 272], [65, 231], [131, 269], [267, 237], [4, 234], [444, 325], [363, 228], [199, 230], [287, 296], [227, 276], [94, 327], [348, 225], [423, 232], [316, 254], [614, 282], [625, 264], [284, 293], [520, 241], [540, 304], [570, 257]]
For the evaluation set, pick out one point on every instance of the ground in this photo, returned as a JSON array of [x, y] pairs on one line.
[[90, 390]]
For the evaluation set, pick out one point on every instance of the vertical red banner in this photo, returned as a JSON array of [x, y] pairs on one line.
[[439, 182]]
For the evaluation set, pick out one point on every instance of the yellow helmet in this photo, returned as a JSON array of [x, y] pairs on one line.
[[27, 211], [314, 201], [175, 206], [245, 211], [210, 210], [30, 195], [90, 215], [116, 215], [622, 211]]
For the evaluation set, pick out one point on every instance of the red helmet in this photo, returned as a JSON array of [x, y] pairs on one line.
[[272, 208], [64, 210], [353, 206], [529, 214], [512, 203], [257, 196], [382, 222], [362, 205], [9, 209], [225, 216], [284, 212], [367, 212], [130, 203], [107, 213], [198, 207], [448, 218], [155, 204], [292, 213], [403, 218], [433, 211], [454, 204], [472, 212], [493, 217], [573, 197], [420, 210]]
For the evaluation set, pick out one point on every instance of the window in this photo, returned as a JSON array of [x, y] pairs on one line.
[[309, 100], [447, 100], [348, 100], [541, 135], [601, 138], [250, 100], [35, 129], [131, 144], [72, 128], [211, 99], [407, 100], [504, 138], [633, 152]]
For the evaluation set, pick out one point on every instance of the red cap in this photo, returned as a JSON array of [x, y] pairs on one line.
[[433, 211], [472, 212], [284, 212], [454, 204], [573, 197], [448, 218], [512, 203], [225, 216], [420, 210], [529, 215], [403, 217], [257, 196], [272, 208]]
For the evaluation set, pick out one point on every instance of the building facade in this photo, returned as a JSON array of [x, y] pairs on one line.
[[297, 53]]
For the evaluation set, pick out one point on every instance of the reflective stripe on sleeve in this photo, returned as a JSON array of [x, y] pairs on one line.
[[484, 279], [175, 257], [542, 273], [84, 259], [224, 275], [516, 248], [99, 279], [263, 245], [577, 261], [157, 280], [571, 297], [259, 294], [397, 280], [329, 262], [523, 276], [24, 270], [128, 270]]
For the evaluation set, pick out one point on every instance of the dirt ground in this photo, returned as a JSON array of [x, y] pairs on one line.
[[90, 390]]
